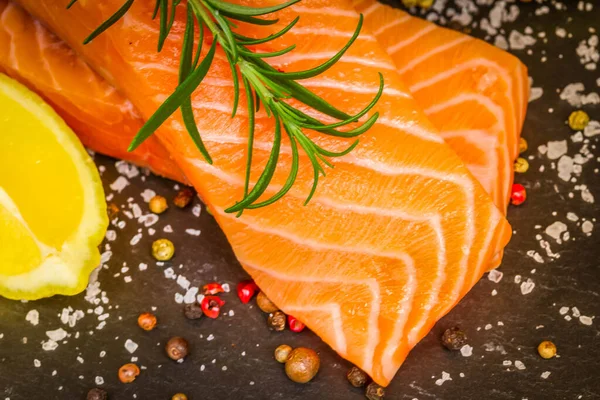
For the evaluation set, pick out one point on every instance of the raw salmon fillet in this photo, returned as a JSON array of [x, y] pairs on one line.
[[398, 231], [473, 92], [103, 119]]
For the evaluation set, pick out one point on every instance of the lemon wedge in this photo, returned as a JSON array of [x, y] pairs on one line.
[[52, 209]]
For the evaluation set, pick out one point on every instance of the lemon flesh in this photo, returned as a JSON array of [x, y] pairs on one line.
[[52, 208]]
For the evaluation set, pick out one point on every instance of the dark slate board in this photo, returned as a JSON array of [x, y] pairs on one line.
[[571, 280]]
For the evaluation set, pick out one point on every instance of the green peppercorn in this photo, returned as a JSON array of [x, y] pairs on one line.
[[97, 394], [302, 365], [522, 145], [547, 349], [276, 321], [282, 353], [374, 392], [357, 377], [521, 165], [163, 249], [177, 348], [454, 339], [578, 120]]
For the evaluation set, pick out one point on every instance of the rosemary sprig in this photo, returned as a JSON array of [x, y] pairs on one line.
[[263, 85]]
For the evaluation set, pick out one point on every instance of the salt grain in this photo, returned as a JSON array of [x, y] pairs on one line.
[[466, 350], [33, 317], [527, 287], [519, 365], [445, 377], [495, 275], [545, 375]]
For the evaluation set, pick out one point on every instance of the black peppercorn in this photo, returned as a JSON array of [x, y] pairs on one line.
[[374, 392], [454, 338], [276, 321], [97, 394], [193, 311], [357, 377], [177, 348]]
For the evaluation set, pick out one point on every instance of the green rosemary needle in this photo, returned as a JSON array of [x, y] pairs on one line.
[[262, 85]]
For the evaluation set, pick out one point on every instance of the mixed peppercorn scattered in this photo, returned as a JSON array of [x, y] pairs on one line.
[[547, 349], [193, 311], [147, 321], [163, 249], [158, 205], [179, 396], [276, 321], [266, 305], [518, 194], [184, 197], [302, 365], [128, 373], [97, 394], [454, 338], [357, 377], [578, 120], [282, 353], [374, 392], [177, 348]]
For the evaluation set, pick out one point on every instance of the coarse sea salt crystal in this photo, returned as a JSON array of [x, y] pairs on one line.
[[183, 282], [57, 335], [129, 170], [193, 232], [495, 275], [169, 273], [527, 286], [466, 351], [566, 167], [585, 320], [131, 346], [571, 216], [190, 295], [519, 41], [119, 184], [536, 256], [135, 239], [587, 227], [111, 235], [576, 312], [545, 375], [148, 194], [33, 317], [556, 149], [519, 365], [556, 229], [178, 298], [196, 210], [445, 377], [143, 266], [592, 129], [168, 229]]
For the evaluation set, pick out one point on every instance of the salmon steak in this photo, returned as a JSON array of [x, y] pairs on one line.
[[473, 92], [396, 234]]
